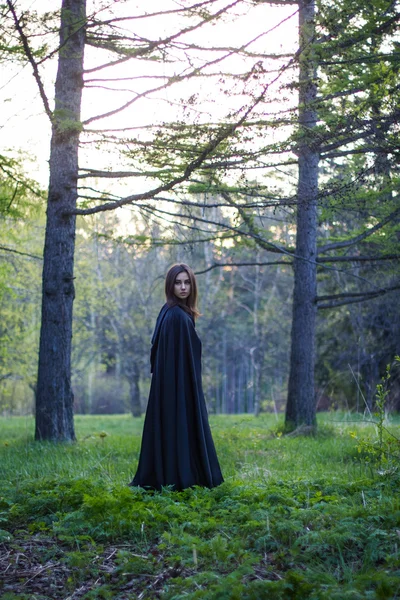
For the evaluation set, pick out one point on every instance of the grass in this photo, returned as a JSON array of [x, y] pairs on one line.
[[306, 517]]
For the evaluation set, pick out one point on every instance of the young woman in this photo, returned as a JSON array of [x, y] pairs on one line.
[[177, 447]]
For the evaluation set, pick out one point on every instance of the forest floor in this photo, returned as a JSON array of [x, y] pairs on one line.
[[298, 517]]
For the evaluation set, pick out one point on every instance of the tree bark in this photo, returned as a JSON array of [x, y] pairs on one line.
[[54, 399], [300, 409], [136, 407]]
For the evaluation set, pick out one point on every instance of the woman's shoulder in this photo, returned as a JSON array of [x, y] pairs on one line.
[[176, 314], [176, 311]]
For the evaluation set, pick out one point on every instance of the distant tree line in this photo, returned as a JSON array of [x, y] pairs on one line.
[[244, 327]]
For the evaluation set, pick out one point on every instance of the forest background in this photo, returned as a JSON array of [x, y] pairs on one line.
[[184, 83]]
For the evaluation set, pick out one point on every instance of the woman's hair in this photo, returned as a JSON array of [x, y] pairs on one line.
[[191, 300]]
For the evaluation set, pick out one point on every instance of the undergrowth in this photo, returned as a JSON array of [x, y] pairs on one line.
[[383, 447], [295, 518]]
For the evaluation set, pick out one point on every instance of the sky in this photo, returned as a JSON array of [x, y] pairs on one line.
[[25, 128]]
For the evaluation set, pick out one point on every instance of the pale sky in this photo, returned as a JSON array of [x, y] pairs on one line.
[[25, 128]]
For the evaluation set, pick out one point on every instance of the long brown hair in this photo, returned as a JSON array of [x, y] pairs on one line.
[[191, 300]]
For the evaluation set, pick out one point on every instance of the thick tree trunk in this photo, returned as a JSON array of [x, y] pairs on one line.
[[300, 409], [54, 399]]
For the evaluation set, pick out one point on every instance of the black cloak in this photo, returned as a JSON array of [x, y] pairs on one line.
[[177, 447]]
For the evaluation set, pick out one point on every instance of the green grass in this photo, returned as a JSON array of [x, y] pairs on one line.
[[297, 517]]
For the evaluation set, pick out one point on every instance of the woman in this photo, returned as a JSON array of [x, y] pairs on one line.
[[177, 447]]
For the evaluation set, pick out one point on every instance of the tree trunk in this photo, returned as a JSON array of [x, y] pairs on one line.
[[136, 407], [54, 399], [256, 351], [300, 409]]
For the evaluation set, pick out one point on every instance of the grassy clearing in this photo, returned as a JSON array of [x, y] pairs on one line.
[[296, 517]]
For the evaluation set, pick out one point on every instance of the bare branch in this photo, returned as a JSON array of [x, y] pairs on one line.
[[286, 262], [121, 174], [244, 264], [265, 244], [176, 78], [131, 241], [12, 198], [158, 13], [31, 60], [357, 258], [153, 45], [362, 295], [261, 242], [355, 300], [6, 376], [277, 2], [7, 249]]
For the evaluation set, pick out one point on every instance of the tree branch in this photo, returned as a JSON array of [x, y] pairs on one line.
[[366, 58], [359, 295], [7, 249], [261, 242], [244, 264], [328, 259], [224, 134], [286, 262], [161, 13], [176, 78], [121, 174], [6, 376], [362, 236], [153, 45], [31, 60], [355, 300], [361, 35]]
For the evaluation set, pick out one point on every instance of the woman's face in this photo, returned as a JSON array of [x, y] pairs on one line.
[[182, 286]]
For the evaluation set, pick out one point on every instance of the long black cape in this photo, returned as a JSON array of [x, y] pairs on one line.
[[177, 447]]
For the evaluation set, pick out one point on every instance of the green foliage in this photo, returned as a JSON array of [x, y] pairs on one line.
[[21, 232], [385, 449], [20, 196], [65, 122], [295, 518]]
